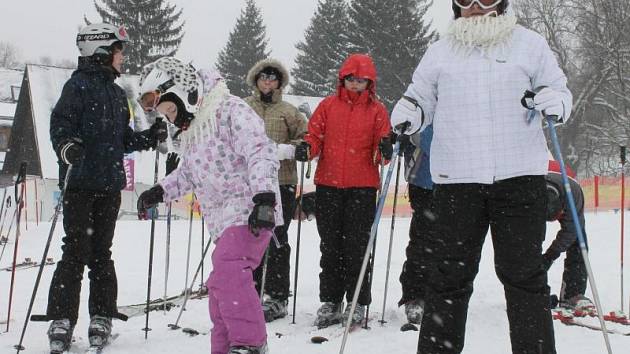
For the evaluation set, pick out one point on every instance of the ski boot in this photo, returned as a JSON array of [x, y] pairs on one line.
[[274, 309], [357, 316], [580, 305], [60, 335], [246, 349], [328, 314], [100, 331], [414, 311]]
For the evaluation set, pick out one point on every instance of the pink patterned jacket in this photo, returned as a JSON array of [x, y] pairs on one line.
[[226, 158]]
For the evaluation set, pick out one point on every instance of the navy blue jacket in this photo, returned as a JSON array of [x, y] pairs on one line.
[[95, 109]]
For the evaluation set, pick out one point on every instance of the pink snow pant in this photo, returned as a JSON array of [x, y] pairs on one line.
[[235, 308]]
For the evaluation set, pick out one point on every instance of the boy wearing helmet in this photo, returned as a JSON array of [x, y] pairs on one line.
[[89, 129], [232, 166], [574, 277], [488, 164], [348, 132]]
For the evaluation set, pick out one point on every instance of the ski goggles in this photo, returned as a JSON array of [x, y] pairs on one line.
[[149, 100], [484, 4], [267, 77], [358, 80]]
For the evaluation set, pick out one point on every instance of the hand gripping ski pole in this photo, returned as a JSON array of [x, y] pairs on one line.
[[551, 120], [19, 346], [366, 257]]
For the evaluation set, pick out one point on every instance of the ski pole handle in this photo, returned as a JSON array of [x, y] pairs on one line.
[[623, 155], [21, 177]]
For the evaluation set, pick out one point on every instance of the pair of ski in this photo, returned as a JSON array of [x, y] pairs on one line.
[[160, 304], [28, 263], [92, 349], [574, 318], [334, 330]]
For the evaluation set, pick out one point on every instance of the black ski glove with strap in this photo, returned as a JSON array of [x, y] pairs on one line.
[[148, 199], [263, 215]]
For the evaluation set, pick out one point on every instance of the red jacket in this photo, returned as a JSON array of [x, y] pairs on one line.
[[345, 130]]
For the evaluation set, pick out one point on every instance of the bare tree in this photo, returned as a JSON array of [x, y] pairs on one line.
[[9, 55]]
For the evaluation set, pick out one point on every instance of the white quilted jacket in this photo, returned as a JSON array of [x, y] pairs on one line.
[[481, 132]]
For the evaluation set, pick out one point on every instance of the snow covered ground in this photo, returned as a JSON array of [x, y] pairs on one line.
[[487, 328]]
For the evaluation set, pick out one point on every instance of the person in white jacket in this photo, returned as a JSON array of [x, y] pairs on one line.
[[488, 163]]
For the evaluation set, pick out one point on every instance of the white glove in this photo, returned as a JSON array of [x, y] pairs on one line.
[[407, 110], [286, 152], [550, 102]]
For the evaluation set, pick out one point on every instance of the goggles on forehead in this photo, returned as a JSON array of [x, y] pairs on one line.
[[358, 80], [149, 100], [267, 77], [484, 4]]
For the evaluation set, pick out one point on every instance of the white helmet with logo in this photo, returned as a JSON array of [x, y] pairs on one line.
[[97, 38]]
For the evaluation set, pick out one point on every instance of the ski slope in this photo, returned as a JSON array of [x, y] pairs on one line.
[[487, 327]]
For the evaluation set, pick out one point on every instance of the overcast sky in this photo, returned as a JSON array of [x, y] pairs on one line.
[[41, 28]]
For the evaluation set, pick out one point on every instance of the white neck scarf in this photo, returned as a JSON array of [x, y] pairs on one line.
[[205, 123], [482, 32]]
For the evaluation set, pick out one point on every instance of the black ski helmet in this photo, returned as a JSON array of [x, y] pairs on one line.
[[500, 8]]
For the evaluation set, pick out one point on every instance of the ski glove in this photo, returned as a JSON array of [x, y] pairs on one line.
[[303, 152], [158, 131], [72, 152], [286, 152], [549, 102], [172, 161], [407, 110], [148, 199], [263, 215], [386, 148]]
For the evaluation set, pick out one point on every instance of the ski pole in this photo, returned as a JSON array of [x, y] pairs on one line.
[[297, 245], [19, 346], [377, 216], [203, 242], [372, 255], [2, 227], [622, 150], [190, 222], [152, 241], [21, 177], [264, 274], [391, 235], [528, 103], [168, 251], [187, 293], [2, 209]]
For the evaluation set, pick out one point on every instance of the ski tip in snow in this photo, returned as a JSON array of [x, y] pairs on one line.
[[318, 339], [409, 327], [191, 332]]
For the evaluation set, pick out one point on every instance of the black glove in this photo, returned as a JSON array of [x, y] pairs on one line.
[[302, 152], [148, 199], [172, 161], [386, 148], [72, 152], [548, 258], [158, 131], [263, 215]]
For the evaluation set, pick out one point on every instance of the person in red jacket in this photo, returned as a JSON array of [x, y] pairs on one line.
[[349, 133]]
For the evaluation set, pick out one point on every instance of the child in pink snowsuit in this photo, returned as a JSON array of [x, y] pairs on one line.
[[231, 165]]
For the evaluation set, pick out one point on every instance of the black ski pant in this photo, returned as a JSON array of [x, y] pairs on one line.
[[344, 219], [277, 281], [514, 210], [89, 219], [574, 277], [422, 219]]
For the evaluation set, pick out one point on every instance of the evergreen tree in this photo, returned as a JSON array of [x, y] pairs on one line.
[[394, 34], [247, 44], [322, 51], [154, 28]]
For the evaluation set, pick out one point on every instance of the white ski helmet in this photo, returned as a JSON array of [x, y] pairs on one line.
[[174, 81], [97, 38]]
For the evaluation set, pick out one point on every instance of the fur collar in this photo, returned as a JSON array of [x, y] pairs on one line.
[[482, 32]]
